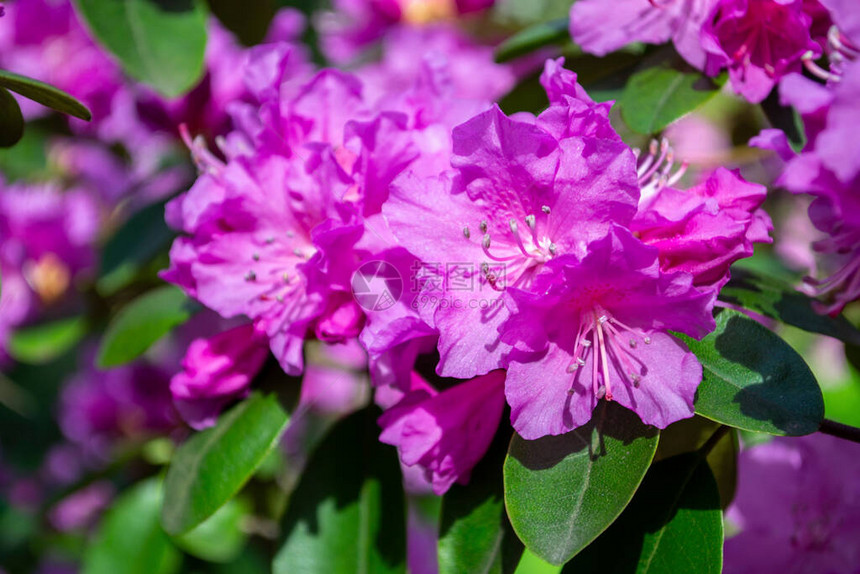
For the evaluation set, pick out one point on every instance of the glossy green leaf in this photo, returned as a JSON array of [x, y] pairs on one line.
[[475, 533], [347, 513], [220, 538], [771, 297], [213, 465], [656, 97], [561, 492], [47, 341], [134, 244], [533, 38], [160, 43], [674, 524], [689, 435], [141, 323], [11, 120], [130, 539], [753, 380], [44, 94]]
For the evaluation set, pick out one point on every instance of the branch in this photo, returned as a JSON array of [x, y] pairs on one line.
[[840, 430]]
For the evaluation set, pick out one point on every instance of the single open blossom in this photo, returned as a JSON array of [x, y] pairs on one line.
[[598, 329], [523, 192], [704, 229], [759, 41], [796, 508], [216, 371], [603, 26], [445, 433]]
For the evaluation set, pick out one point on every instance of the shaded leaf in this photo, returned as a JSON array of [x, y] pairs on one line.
[[533, 38], [141, 323], [46, 341], [44, 94], [130, 539], [347, 512], [785, 118], [561, 492], [475, 533], [11, 120], [213, 465], [656, 97], [673, 524], [771, 297], [159, 42], [753, 380]]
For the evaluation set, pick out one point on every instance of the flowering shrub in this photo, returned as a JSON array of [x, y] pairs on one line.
[[429, 286]]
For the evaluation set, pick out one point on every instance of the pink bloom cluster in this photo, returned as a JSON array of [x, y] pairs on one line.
[[545, 262], [757, 41]]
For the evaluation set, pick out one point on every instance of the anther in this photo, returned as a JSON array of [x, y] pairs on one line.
[[632, 343], [513, 225], [467, 233], [545, 209], [647, 340], [530, 221], [270, 240], [298, 252], [552, 248], [255, 256], [572, 368], [286, 277], [483, 226], [250, 276], [486, 241]]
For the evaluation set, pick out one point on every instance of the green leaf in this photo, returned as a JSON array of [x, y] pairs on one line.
[[141, 323], [533, 38], [475, 533], [755, 381], [47, 341], [656, 97], [159, 42], [673, 524], [44, 94], [220, 538], [561, 492], [249, 21], [347, 513], [135, 244], [785, 118], [213, 465], [689, 435], [130, 539], [11, 120], [523, 13], [774, 298]]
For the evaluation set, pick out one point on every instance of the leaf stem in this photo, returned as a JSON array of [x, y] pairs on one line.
[[712, 441], [840, 430]]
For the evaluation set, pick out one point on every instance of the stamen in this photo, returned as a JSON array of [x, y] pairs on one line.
[[255, 256], [545, 209], [530, 221], [483, 226], [466, 232], [250, 276]]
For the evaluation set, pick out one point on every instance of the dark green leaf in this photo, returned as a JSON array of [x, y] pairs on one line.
[[785, 118], [213, 465], [248, 20], [673, 525], [220, 538], [347, 514], [159, 42], [134, 244], [130, 539], [561, 492], [475, 533], [533, 38], [753, 380], [11, 120], [689, 435], [771, 297], [47, 341], [656, 97], [141, 323], [44, 94]]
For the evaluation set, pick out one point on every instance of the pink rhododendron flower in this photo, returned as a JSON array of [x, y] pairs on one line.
[[796, 507], [759, 41], [216, 371], [603, 26], [597, 328], [704, 229], [523, 192], [445, 433]]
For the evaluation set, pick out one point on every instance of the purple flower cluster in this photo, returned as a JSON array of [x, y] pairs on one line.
[[757, 41], [543, 259]]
